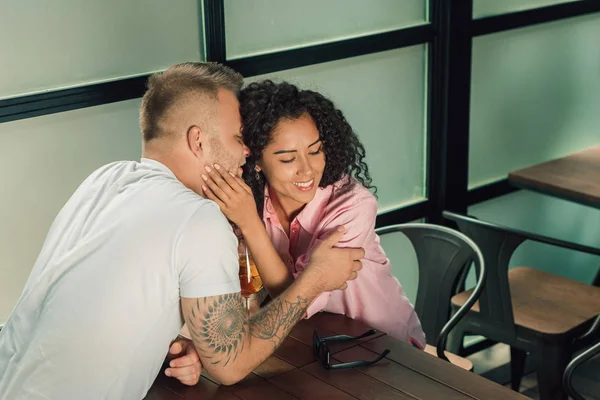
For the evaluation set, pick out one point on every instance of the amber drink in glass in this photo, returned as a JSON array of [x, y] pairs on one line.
[[250, 280]]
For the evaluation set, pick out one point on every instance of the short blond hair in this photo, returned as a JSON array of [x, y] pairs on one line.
[[175, 84]]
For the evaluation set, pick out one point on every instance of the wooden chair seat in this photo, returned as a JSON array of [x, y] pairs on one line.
[[454, 359], [545, 302]]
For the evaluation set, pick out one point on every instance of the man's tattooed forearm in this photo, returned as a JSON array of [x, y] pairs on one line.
[[219, 325], [276, 320], [222, 327]]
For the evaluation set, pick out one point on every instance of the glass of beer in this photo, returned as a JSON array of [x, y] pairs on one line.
[[250, 280]]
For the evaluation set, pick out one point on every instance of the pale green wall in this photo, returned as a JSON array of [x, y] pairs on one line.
[[263, 26], [536, 96], [42, 161], [56, 44], [486, 8], [51, 45]]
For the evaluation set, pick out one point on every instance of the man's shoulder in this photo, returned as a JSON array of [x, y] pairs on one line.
[[208, 238], [112, 168], [207, 219], [145, 190]]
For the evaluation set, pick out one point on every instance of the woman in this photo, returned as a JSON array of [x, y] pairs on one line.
[[307, 173]]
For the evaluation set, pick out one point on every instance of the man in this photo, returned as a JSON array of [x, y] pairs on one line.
[[136, 249]]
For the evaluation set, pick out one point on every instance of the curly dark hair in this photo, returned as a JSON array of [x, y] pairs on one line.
[[263, 104]]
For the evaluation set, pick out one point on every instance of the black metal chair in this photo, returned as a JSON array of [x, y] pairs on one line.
[[528, 309], [443, 254], [591, 352]]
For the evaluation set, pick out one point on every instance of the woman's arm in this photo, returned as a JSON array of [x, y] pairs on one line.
[[236, 201], [275, 275]]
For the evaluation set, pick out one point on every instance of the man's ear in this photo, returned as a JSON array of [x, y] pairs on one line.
[[195, 140]]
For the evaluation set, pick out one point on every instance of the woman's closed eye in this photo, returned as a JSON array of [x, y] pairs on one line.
[[314, 153]]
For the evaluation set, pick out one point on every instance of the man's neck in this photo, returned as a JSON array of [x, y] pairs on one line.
[[176, 163]]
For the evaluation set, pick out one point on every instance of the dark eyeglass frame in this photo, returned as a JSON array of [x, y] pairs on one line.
[[321, 350]]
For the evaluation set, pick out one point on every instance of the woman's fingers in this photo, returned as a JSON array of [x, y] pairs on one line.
[[219, 187], [243, 184], [211, 196], [235, 201], [234, 181], [229, 178]]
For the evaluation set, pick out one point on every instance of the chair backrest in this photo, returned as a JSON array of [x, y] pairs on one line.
[[497, 245], [568, 374], [442, 254]]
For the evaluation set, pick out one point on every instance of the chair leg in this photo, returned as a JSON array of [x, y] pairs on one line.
[[551, 361], [517, 367]]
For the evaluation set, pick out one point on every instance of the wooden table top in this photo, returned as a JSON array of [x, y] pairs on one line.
[[575, 177], [294, 373]]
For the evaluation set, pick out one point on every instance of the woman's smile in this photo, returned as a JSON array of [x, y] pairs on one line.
[[305, 186]]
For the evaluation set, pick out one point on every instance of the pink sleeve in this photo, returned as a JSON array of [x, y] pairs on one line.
[[359, 221], [375, 297]]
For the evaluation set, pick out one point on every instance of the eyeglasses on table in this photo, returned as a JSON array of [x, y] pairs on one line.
[[323, 354]]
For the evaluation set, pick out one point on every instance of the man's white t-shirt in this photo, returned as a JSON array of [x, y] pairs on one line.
[[102, 303]]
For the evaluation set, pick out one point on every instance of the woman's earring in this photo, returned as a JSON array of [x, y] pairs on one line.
[[257, 169]]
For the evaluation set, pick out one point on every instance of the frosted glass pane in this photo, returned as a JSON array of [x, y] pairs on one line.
[[484, 8], [382, 96], [535, 96], [263, 26], [50, 45], [553, 217], [42, 161]]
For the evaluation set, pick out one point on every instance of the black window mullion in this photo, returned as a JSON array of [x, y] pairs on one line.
[[71, 99], [458, 16], [436, 56], [521, 19], [450, 106], [310, 55], [214, 26]]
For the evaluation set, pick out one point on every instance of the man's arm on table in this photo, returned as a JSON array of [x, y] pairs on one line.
[[231, 345]]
